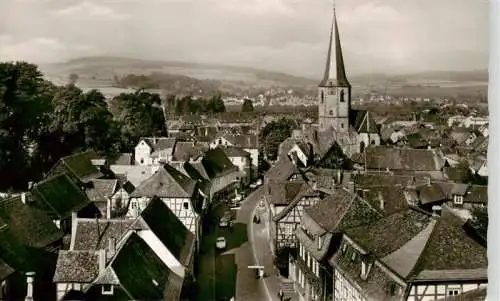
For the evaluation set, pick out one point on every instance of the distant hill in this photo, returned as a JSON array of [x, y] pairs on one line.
[[102, 71]]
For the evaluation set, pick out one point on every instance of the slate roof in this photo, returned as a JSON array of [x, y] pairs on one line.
[[216, 163], [101, 189], [143, 274], [76, 266], [401, 159], [342, 210], [232, 151], [363, 121], [59, 196], [94, 234], [31, 226], [167, 182], [282, 193], [80, 165], [170, 230]]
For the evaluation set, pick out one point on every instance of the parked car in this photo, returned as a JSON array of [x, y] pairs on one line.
[[220, 243]]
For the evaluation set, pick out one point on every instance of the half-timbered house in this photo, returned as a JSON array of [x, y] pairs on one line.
[[295, 196], [176, 190], [409, 255]]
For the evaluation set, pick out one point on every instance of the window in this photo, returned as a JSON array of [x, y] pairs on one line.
[[133, 204], [353, 257], [320, 242], [342, 125], [458, 199], [186, 205], [107, 289], [220, 141], [342, 99], [322, 97], [331, 112], [452, 292], [344, 248], [142, 161]]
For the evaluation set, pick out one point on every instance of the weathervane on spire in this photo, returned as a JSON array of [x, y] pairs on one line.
[[333, 6]]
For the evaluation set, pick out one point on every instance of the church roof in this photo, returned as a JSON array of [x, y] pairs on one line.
[[334, 71]]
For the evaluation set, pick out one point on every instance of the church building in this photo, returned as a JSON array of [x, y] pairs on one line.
[[352, 130]]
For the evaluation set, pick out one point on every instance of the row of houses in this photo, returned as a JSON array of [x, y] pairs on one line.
[[91, 230], [396, 227]]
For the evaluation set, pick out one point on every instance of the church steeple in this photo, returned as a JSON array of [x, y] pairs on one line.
[[334, 75]]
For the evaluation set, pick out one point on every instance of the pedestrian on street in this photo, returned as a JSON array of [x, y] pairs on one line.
[[281, 294]]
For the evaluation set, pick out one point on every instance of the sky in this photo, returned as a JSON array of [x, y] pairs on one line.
[[387, 36]]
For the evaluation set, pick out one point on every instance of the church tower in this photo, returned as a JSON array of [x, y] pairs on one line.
[[334, 91]]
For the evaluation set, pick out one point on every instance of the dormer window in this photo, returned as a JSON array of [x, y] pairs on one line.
[[107, 289], [458, 199]]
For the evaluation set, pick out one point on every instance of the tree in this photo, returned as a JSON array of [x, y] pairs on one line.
[[73, 78], [480, 221], [273, 134], [24, 102], [247, 106]]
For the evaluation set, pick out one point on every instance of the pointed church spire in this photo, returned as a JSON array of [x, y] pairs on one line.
[[334, 70]]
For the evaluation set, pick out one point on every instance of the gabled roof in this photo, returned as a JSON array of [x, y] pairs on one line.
[[124, 159], [101, 189], [401, 159], [233, 151], [282, 170], [417, 246], [158, 143], [169, 230], [76, 266], [185, 150], [217, 164], [363, 122], [305, 191], [142, 274], [477, 194], [167, 182], [59, 196], [31, 226], [80, 166], [342, 210], [243, 141], [282, 193], [94, 234]]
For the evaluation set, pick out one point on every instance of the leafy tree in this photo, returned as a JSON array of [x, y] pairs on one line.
[[480, 221], [247, 106], [24, 102], [273, 134]]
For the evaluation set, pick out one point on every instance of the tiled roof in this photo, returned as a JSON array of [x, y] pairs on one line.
[[217, 164], [94, 234], [101, 189], [167, 182], [233, 151], [431, 193], [77, 266], [136, 174], [401, 159], [143, 274], [282, 193], [367, 180], [80, 165], [59, 196], [159, 143], [305, 191], [342, 210], [243, 141], [185, 150], [282, 170], [477, 194], [386, 199], [30, 225], [124, 159], [170, 230]]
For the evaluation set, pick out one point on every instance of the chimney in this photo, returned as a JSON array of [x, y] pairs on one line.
[[30, 278], [111, 246], [108, 208], [23, 197], [102, 260], [350, 187], [381, 200]]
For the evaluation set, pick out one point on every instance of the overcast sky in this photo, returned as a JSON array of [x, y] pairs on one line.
[[284, 35]]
